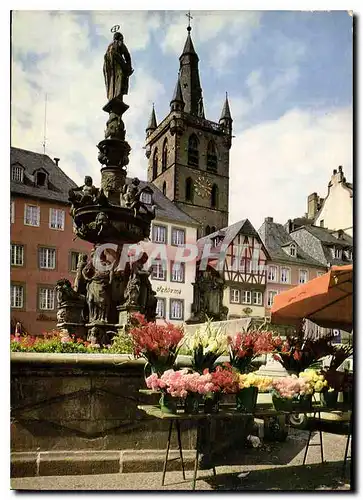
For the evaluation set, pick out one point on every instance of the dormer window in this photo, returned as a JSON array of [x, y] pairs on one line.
[[337, 253], [17, 173], [146, 198], [292, 250], [40, 179], [348, 254]]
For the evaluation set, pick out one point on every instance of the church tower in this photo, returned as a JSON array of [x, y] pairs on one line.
[[188, 154]]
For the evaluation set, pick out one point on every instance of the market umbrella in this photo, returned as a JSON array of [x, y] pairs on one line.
[[326, 300]]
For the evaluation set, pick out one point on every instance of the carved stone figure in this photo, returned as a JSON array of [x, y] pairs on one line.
[[115, 127], [117, 68], [98, 293], [65, 292], [208, 298], [79, 284], [83, 195], [131, 198]]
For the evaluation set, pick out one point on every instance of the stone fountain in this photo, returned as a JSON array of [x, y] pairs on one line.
[[103, 294]]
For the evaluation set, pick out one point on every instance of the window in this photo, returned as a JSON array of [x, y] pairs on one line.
[[207, 230], [257, 298], [146, 198], [211, 157], [155, 163], [214, 196], [159, 234], [74, 261], [348, 254], [158, 270], [16, 296], [46, 299], [246, 297], [40, 179], [12, 212], [56, 219], [272, 273], [193, 152], [322, 223], [270, 298], [176, 309], [235, 296], [292, 250], [285, 275], [164, 157], [213, 229], [337, 252], [47, 258], [164, 188], [178, 237], [178, 272], [303, 276], [17, 255], [32, 215], [17, 173], [189, 189], [160, 308]]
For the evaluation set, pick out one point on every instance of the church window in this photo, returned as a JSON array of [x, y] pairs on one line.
[[164, 188], [189, 189], [155, 164], [164, 158], [211, 157], [214, 196], [193, 152]]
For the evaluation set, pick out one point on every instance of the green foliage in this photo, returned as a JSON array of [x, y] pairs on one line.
[[121, 343]]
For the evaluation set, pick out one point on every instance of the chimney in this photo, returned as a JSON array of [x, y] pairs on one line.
[[269, 219], [56, 161], [313, 205]]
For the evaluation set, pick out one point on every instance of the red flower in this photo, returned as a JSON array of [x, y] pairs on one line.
[[297, 355]]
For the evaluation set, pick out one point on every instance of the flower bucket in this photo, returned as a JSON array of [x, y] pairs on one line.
[[302, 404], [158, 368], [211, 402], [167, 403], [191, 404], [329, 398], [246, 399]]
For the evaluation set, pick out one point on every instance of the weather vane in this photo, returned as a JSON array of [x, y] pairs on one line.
[[115, 28], [189, 18]]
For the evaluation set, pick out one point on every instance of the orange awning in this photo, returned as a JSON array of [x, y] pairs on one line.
[[326, 300]]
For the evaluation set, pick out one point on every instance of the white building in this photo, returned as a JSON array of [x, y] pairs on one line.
[[336, 210], [170, 231]]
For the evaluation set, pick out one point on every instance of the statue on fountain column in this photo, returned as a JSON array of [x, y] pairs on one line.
[[99, 292], [117, 68]]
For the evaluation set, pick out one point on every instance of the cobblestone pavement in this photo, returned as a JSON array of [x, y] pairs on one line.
[[279, 468]]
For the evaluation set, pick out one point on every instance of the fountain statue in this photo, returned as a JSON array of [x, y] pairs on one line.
[[103, 296]]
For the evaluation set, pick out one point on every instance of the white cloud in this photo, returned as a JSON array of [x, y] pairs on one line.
[[275, 165]]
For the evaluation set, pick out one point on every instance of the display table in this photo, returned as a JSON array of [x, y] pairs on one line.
[[226, 411]]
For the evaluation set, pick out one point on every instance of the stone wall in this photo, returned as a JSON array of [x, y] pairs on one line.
[[89, 402]]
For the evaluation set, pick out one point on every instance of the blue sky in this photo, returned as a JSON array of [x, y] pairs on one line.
[[288, 77]]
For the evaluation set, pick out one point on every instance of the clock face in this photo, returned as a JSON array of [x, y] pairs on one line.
[[203, 187]]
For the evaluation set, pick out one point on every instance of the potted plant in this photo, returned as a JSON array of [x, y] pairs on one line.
[[291, 393], [250, 385], [207, 345], [244, 347]]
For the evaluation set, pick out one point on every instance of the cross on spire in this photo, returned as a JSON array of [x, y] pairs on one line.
[[189, 18]]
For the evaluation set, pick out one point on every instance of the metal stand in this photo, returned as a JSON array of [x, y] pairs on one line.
[[308, 444], [177, 425], [349, 437], [197, 452]]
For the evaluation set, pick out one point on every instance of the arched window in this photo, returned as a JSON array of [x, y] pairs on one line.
[[207, 230], [213, 229], [155, 163], [193, 152], [164, 158], [189, 189], [211, 157], [164, 188], [214, 196]]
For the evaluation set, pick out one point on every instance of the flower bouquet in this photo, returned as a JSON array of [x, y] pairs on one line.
[[245, 346], [158, 344], [291, 393], [249, 386], [184, 384], [207, 345]]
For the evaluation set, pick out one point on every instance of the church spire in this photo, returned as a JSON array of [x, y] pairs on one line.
[[177, 102], [151, 126], [189, 75], [225, 120]]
